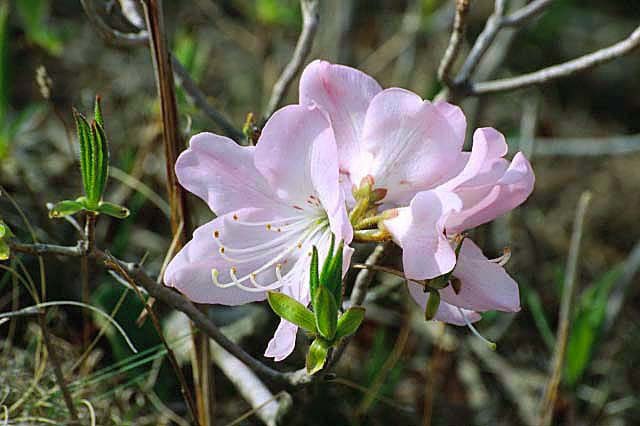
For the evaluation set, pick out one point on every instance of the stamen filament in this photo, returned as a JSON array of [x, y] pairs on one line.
[[489, 343]]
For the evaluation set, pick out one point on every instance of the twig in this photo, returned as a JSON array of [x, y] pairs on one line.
[[140, 38], [455, 42], [554, 72], [200, 100], [365, 277], [113, 264], [173, 144], [171, 129], [586, 147], [482, 44], [359, 292], [110, 34], [179, 302], [527, 12], [550, 394], [310, 19]]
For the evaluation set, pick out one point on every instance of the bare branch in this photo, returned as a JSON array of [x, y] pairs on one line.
[[199, 99], [455, 42], [365, 277], [359, 292], [111, 34], [176, 301], [565, 69], [549, 398], [586, 147], [529, 11], [141, 38], [310, 19], [483, 42]]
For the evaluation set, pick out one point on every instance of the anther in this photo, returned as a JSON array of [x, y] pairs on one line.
[[221, 250], [216, 234], [268, 227], [235, 217]]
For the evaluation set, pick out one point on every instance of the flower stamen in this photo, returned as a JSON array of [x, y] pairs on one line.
[[470, 326]]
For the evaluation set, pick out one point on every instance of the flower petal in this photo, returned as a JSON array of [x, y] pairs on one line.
[[446, 312], [222, 173], [489, 186], [408, 145], [419, 230], [283, 342], [248, 248], [343, 93], [455, 116], [297, 154], [485, 285]]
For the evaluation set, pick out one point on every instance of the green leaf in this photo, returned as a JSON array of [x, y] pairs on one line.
[[5, 251], [317, 356], [326, 313], [100, 159], [349, 322], [314, 279], [586, 328], [433, 303], [113, 210], [292, 310], [84, 139], [97, 112], [327, 260], [5, 231], [65, 208], [331, 275]]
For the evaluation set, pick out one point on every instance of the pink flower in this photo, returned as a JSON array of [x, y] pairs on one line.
[[274, 202], [411, 149]]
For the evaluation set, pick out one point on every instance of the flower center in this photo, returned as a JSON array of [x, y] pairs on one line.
[[367, 222], [273, 260]]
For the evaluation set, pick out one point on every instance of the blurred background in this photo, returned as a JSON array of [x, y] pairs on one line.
[[581, 133]]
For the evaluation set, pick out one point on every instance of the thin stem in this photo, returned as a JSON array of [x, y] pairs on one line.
[[115, 266], [140, 38], [562, 70], [310, 18], [176, 301], [527, 12], [455, 42], [571, 272]]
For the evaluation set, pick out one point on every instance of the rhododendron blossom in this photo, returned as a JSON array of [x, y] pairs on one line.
[[413, 184], [362, 163], [274, 202]]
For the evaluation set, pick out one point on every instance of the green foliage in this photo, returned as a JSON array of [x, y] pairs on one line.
[[5, 233], [433, 303], [317, 355], [534, 306], [278, 12], [292, 310], [349, 322], [94, 168], [586, 328], [34, 14], [324, 322], [326, 311]]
